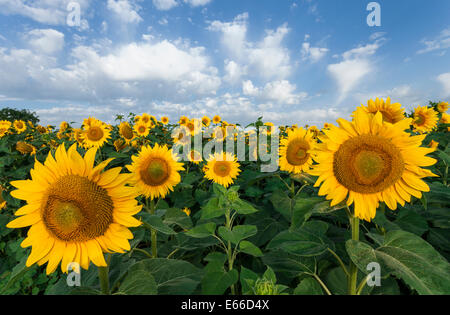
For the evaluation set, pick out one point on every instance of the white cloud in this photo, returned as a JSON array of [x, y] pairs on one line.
[[348, 74], [233, 72], [196, 3], [267, 58], [165, 5], [53, 12], [47, 41], [125, 11], [440, 43], [141, 71], [355, 66], [444, 79], [313, 54], [280, 92]]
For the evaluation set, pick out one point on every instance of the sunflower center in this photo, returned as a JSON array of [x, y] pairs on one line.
[[142, 129], [95, 133], [156, 172], [420, 120], [368, 164], [19, 125], [222, 168], [77, 209], [127, 132], [296, 153]]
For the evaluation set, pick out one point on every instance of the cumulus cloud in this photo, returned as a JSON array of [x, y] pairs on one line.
[[124, 10], [444, 79], [52, 12], [267, 58], [165, 5], [356, 65], [197, 3], [312, 54], [280, 92], [47, 41]]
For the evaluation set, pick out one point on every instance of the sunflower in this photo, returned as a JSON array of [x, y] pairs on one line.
[[95, 133], [206, 121], [141, 129], [76, 211], [63, 126], [217, 119], [126, 132], [155, 171], [392, 113], [2, 201], [183, 120], [195, 157], [295, 149], [119, 144], [165, 120], [194, 126], [425, 119], [25, 148], [442, 107], [5, 125], [181, 135], [368, 161], [20, 126], [445, 119], [222, 168], [187, 211], [77, 135]]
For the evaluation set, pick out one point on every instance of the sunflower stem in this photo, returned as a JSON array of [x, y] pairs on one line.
[[353, 270], [228, 225], [152, 210], [103, 275]]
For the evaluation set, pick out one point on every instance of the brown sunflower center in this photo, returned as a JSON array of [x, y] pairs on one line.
[[77, 209], [127, 132], [142, 129], [420, 119], [296, 153], [19, 125], [222, 168], [155, 172], [368, 164], [95, 133]]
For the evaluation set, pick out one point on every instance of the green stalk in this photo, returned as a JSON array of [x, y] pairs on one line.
[[104, 279], [152, 210], [229, 248], [353, 270]]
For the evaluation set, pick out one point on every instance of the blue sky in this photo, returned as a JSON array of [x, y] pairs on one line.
[[291, 61]]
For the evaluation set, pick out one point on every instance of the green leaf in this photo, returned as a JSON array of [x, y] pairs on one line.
[[17, 272], [212, 209], [303, 242], [85, 291], [302, 210], [249, 248], [202, 231], [281, 203], [139, 282], [158, 224], [219, 190], [247, 276], [308, 286], [411, 221], [243, 207], [178, 217], [238, 233], [289, 264], [172, 276], [216, 283], [408, 257]]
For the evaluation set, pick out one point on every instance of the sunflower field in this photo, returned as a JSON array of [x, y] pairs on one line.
[[358, 207]]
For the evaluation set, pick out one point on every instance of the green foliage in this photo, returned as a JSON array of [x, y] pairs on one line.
[[12, 114]]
